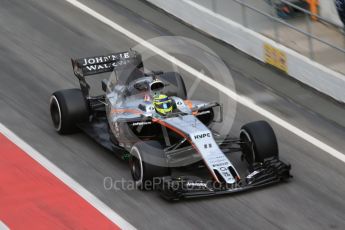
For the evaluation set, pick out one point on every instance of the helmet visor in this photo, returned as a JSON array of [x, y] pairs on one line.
[[164, 106]]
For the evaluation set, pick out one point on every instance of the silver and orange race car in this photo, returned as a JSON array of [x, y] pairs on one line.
[[147, 119]]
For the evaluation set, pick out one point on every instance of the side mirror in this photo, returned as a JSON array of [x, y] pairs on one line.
[[104, 85], [218, 110], [211, 107]]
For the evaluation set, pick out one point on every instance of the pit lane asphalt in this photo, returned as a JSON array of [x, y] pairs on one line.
[[38, 38]]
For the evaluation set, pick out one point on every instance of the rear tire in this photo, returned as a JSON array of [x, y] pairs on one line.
[[260, 142], [175, 85], [67, 108], [148, 164]]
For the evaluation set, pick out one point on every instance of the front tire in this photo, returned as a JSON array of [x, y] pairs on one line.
[[67, 108], [259, 142], [148, 164]]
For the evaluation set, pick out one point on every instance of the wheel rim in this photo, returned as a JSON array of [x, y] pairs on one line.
[[135, 168], [55, 112]]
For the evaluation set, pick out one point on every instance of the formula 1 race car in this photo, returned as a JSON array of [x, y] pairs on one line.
[[147, 119]]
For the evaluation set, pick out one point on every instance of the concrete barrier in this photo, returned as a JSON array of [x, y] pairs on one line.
[[262, 48]]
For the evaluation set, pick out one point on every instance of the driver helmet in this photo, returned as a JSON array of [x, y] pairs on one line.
[[162, 104]]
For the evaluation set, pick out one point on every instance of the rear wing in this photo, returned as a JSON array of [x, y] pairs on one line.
[[101, 64], [106, 63]]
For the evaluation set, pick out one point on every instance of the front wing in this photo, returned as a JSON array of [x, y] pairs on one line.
[[270, 172]]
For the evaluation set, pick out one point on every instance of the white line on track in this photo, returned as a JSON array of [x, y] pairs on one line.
[[240, 99], [75, 186], [3, 226]]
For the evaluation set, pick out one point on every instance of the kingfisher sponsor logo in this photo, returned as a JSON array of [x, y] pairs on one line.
[[196, 184], [202, 135], [141, 123], [220, 164]]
